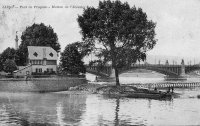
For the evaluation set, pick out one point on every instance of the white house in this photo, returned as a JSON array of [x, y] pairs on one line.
[[40, 59]]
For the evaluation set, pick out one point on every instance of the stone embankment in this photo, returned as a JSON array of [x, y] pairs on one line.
[[52, 84]]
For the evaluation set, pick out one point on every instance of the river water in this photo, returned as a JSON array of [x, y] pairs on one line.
[[63, 109]]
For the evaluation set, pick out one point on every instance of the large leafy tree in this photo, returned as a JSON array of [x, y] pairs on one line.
[[9, 66], [71, 60], [82, 48], [8, 53], [36, 35], [122, 33]]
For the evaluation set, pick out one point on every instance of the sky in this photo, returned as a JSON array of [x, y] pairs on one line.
[[177, 29]]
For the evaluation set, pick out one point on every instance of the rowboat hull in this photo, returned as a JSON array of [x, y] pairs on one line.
[[149, 95]]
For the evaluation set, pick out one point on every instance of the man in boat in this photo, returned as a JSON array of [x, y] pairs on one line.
[[172, 89], [168, 89], [96, 79], [155, 89]]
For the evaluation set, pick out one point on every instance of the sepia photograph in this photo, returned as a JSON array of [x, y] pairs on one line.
[[99, 62]]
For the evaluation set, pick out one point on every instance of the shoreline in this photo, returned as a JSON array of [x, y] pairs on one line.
[[92, 86], [128, 91], [40, 84]]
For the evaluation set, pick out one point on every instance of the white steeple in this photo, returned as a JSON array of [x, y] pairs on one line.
[[16, 41]]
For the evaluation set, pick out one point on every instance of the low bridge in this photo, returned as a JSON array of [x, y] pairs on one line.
[[172, 71]]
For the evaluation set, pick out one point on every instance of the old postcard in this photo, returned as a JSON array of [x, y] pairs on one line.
[[99, 62]]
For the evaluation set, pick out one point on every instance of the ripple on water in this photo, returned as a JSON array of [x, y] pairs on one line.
[[65, 109]]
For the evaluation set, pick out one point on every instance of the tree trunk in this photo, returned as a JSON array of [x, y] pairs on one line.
[[117, 77], [114, 64]]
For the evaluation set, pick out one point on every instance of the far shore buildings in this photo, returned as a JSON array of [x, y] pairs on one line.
[[41, 60]]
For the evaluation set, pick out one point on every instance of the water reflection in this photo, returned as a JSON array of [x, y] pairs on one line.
[[111, 111], [60, 115], [40, 109], [116, 112], [61, 109]]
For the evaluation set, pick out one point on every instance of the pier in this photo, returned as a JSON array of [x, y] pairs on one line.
[[168, 84]]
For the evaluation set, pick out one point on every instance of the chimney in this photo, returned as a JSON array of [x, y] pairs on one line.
[[16, 41]]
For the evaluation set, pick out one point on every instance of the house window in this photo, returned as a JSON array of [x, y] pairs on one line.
[[49, 70], [38, 70], [51, 62], [36, 62]]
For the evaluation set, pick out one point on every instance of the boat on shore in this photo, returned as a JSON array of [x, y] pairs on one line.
[[159, 95], [133, 92], [151, 94]]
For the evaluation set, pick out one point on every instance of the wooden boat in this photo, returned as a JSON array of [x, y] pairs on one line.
[[151, 94], [133, 92], [159, 95]]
